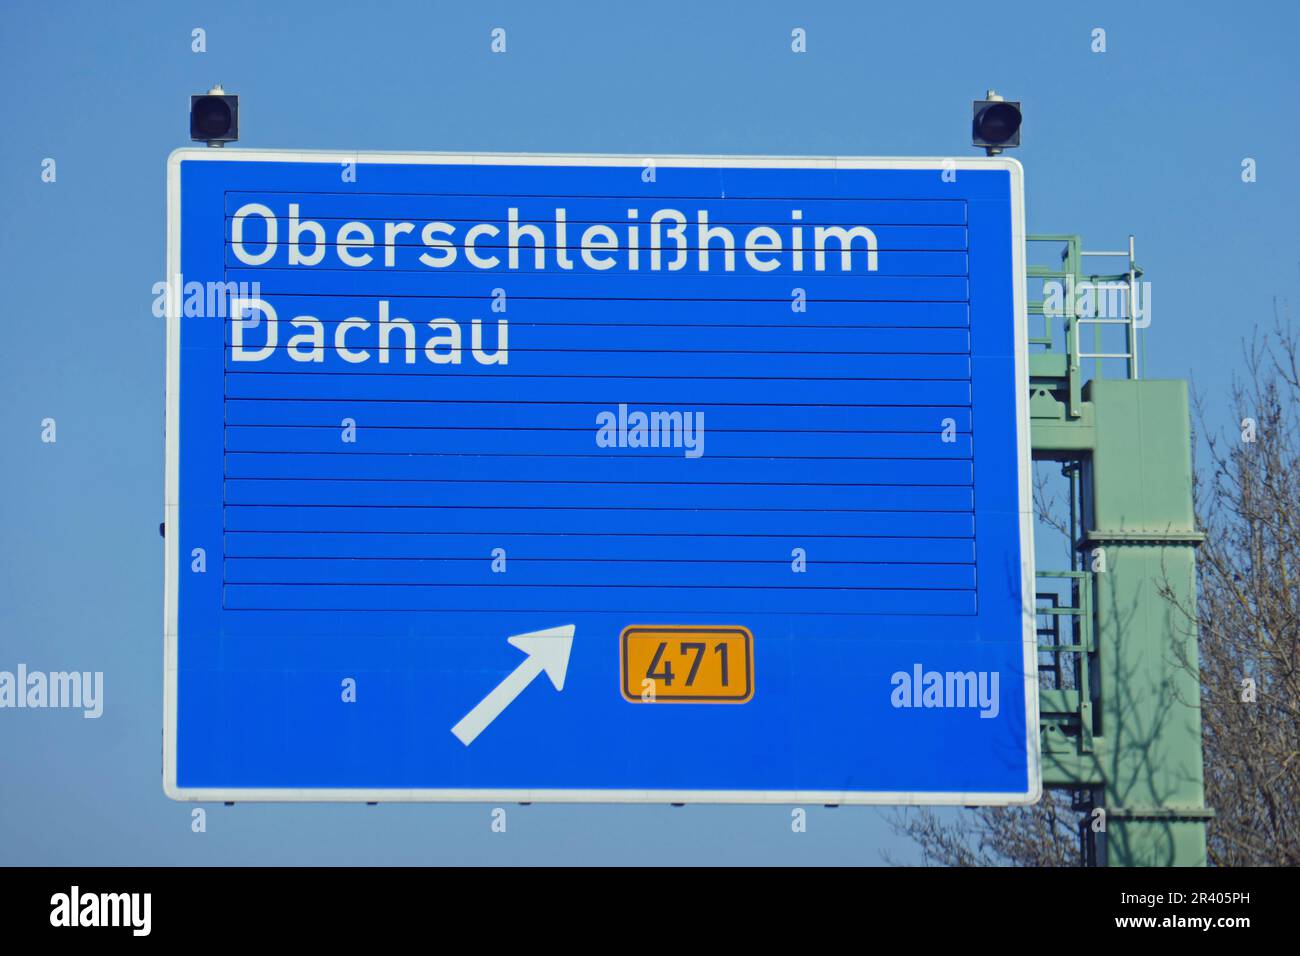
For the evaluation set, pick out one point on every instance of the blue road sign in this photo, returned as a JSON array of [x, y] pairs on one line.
[[593, 478]]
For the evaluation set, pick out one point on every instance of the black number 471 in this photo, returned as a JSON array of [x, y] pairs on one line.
[[697, 648]]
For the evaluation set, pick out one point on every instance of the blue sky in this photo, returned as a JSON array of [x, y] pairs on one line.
[[1146, 138]]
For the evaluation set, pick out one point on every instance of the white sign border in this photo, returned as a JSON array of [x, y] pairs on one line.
[[171, 509]]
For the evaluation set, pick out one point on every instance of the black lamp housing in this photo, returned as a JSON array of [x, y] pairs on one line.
[[995, 124], [214, 117]]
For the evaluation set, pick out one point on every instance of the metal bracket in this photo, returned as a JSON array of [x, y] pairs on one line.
[[1193, 538], [1160, 813]]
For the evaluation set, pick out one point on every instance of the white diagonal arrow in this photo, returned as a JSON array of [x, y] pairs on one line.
[[547, 650]]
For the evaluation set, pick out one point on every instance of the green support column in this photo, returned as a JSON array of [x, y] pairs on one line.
[[1138, 501]]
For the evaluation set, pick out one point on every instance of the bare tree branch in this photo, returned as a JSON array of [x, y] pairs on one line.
[[1247, 616]]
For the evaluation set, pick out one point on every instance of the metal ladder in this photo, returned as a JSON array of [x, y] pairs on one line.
[[1128, 320]]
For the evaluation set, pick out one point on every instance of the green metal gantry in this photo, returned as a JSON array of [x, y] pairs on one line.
[[1119, 713]]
